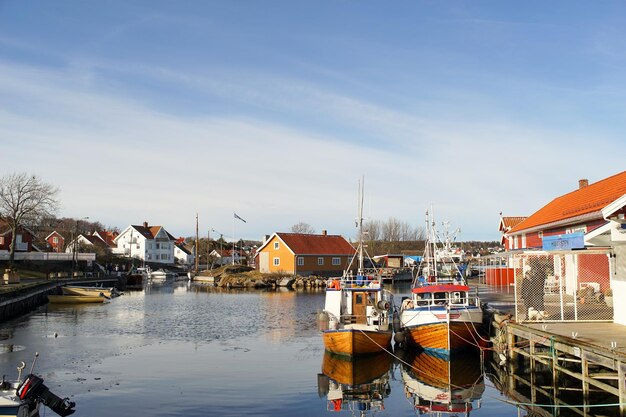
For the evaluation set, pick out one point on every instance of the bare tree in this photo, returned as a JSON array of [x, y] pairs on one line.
[[302, 227], [25, 200]]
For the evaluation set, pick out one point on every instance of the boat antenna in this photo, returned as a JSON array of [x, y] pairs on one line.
[[34, 361]]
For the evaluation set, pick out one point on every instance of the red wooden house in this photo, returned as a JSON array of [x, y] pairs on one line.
[[23, 240], [56, 242]]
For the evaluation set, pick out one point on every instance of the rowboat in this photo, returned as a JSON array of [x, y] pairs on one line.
[[85, 290], [75, 299], [356, 319], [440, 315]]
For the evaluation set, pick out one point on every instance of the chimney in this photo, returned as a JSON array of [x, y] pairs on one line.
[[145, 224], [582, 183], [324, 232]]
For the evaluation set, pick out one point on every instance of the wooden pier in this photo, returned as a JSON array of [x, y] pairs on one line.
[[593, 354]]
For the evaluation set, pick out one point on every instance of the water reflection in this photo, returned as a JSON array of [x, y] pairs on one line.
[[357, 384], [438, 386]]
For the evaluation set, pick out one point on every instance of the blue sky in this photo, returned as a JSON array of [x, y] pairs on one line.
[[158, 110]]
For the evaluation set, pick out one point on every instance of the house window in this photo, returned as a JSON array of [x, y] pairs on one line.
[[540, 235], [336, 261], [276, 245], [320, 261], [276, 261], [300, 260], [1, 240], [55, 240]]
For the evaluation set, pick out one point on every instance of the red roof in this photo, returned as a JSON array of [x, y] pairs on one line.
[[587, 200], [507, 223], [309, 244]]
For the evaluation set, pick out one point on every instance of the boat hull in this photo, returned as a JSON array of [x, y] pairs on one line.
[[441, 330], [75, 299], [351, 342], [107, 292]]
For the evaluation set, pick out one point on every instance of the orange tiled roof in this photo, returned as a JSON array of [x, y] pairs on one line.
[[586, 200], [507, 223], [308, 244]]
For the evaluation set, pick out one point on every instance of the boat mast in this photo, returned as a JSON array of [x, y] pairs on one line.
[[196, 254], [360, 223]]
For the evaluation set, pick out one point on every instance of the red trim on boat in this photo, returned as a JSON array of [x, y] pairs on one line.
[[440, 288]]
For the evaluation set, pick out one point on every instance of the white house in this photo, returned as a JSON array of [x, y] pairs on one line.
[[147, 243], [183, 254], [225, 256]]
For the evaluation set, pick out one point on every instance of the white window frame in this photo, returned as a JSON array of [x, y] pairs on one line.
[[276, 262], [276, 245], [336, 261], [300, 261], [320, 261]]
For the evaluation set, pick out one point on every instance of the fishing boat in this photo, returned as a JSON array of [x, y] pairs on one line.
[[137, 276], [86, 290], [440, 315], [358, 383], [24, 397], [439, 387], [75, 299], [357, 313]]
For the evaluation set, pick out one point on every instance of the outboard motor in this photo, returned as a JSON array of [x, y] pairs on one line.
[[33, 388]]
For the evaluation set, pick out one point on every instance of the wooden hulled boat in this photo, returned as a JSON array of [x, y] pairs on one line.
[[357, 314], [443, 386], [440, 315], [358, 370], [355, 383], [76, 299]]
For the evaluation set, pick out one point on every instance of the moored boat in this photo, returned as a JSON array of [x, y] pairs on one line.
[[23, 397], [86, 290], [358, 383], [161, 275], [75, 299], [357, 313], [440, 316], [438, 386], [137, 276]]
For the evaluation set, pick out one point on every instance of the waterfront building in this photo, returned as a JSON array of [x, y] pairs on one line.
[[183, 253], [304, 254], [23, 238], [146, 243], [578, 240], [227, 256]]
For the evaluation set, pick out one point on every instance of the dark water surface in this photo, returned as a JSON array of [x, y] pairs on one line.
[[186, 350]]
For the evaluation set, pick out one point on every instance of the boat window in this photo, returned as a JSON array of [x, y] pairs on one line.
[[440, 298], [458, 297], [423, 299]]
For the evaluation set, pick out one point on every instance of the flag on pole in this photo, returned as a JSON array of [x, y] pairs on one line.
[[237, 217]]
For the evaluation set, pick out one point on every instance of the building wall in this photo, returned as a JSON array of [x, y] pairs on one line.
[[618, 283], [285, 256], [311, 264]]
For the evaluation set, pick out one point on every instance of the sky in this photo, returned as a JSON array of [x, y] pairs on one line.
[[159, 111]]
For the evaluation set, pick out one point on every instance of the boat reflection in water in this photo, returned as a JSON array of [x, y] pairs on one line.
[[442, 386], [357, 383]]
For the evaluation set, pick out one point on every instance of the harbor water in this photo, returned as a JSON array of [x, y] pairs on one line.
[[190, 350]]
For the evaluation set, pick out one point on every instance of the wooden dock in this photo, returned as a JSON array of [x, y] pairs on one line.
[[592, 353]]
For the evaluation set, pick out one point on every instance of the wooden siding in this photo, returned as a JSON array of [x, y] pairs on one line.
[[283, 253], [311, 263]]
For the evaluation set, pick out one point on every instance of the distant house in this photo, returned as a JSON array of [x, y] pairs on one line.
[[304, 254], [225, 256], [147, 243], [55, 241], [183, 253], [83, 241], [506, 224], [23, 240]]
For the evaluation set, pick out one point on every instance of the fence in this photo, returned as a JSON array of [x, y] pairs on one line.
[[49, 256], [562, 286]]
